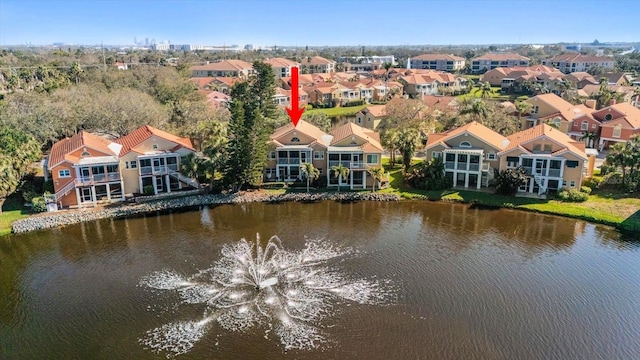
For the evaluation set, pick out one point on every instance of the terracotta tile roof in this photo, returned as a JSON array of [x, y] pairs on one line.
[[580, 58], [224, 65], [281, 62], [229, 81], [316, 60], [434, 57], [440, 102], [564, 108], [543, 130], [303, 127], [136, 137], [60, 150], [376, 110], [474, 128], [351, 129], [201, 82], [580, 75], [500, 57], [630, 113]]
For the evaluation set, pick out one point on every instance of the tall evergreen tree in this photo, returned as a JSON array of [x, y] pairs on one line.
[[253, 113]]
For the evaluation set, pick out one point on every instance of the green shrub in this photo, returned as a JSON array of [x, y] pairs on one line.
[[428, 176], [572, 195], [354, 103], [508, 181], [29, 195], [148, 190], [38, 205], [585, 189], [592, 182]]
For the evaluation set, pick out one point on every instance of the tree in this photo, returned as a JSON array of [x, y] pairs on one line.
[[523, 107], [408, 140], [18, 151], [485, 90], [75, 72], [589, 138], [252, 110], [340, 171], [319, 119], [508, 181], [476, 108], [310, 172], [429, 175], [390, 142], [377, 173]]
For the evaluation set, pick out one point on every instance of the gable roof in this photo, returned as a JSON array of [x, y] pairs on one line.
[[139, 135], [434, 57], [630, 113], [564, 108], [500, 57], [440, 102], [474, 128], [543, 130], [224, 65], [577, 57], [303, 127], [376, 110], [372, 138], [281, 62], [316, 60], [60, 150]]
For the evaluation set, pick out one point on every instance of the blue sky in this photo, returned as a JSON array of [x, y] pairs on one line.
[[313, 23]]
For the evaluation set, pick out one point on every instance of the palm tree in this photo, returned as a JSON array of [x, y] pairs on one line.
[[523, 107], [376, 173], [485, 90], [589, 138], [540, 88], [190, 165], [564, 86], [619, 158], [476, 107], [340, 171], [390, 141], [310, 172], [408, 140]]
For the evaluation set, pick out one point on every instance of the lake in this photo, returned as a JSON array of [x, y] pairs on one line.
[[467, 284]]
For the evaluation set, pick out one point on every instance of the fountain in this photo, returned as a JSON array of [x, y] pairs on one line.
[[282, 291]]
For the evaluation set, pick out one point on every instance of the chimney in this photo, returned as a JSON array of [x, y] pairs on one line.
[[612, 102], [591, 103]]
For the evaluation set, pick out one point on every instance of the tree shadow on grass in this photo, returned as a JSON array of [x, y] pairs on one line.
[[630, 227]]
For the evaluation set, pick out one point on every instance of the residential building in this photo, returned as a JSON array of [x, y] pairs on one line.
[[619, 122], [371, 116], [351, 145], [431, 83], [575, 62], [440, 103], [442, 62], [552, 109], [281, 66], [282, 97], [224, 68], [491, 61], [85, 170], [469, 152], [551, 159], [357, 149], [150, 159], [317, 64]]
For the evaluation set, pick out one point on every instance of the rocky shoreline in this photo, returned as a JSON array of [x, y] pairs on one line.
[[69, 217]]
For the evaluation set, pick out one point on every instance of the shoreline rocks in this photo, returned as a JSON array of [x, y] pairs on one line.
[[69, 217]]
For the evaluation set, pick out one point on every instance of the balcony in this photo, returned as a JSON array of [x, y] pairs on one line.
[[158, 170], [289, 161], [97, 178], [348, 164]]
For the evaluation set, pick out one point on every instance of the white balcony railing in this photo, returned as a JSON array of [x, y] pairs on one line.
[[158, 170], [97, 178], [348, 164]]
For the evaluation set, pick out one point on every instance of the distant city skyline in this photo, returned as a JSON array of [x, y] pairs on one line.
[[316, 23]]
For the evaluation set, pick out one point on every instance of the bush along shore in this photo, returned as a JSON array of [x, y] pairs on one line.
[[69, 217]]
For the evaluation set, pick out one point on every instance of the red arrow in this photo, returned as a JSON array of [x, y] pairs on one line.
[[295, 112]]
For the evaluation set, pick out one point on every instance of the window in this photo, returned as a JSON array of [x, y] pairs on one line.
[[534, 109], [465, 144], [133, 164], [617, 130], [537, 147], [295, 139], [547, 147], [513, 161], [85, 154], [436, 154], [271, 155], [155, 146], [64, 173], [572, 183], [491, 156], [572, 164], [585, 125], [372, 158], [112, 168], [608, 117], [564, 183]]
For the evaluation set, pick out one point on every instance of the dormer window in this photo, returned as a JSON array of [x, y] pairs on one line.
[[465, 144], [295, 139]]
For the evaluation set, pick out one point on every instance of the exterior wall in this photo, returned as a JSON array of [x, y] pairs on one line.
[[59, 183], [130, 177], [625, 134], [494, 77], [367, 120], [482, 65], [437, 64]]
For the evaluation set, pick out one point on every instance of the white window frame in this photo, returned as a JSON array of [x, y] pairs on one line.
[[491, 156], [271, 155], [535, 109], [376, 156], [133, 164], [572, 183], [67, 173], [584, 125], [465, 144], [436, 154], [617, 131], [318, 155]]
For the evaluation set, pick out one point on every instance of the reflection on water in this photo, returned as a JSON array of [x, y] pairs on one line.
[[472, 283]]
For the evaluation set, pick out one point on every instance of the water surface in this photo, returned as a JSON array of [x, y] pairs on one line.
[[470, 283]]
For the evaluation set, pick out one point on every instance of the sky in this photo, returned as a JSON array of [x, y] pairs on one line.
[[317, 23]]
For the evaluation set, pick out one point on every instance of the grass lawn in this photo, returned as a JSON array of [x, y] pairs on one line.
[[338, 111], [494, 95], [611, 208], [12, 210]]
